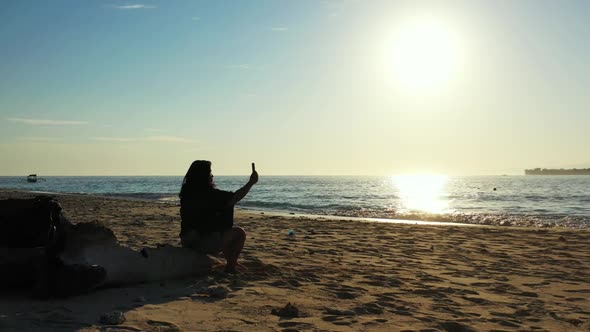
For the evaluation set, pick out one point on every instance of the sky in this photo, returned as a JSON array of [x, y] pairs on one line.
[[99, 87]]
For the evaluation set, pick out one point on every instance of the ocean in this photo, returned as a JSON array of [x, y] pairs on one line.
[[503, 200]]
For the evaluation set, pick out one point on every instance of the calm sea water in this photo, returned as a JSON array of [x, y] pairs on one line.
[[508, 200]]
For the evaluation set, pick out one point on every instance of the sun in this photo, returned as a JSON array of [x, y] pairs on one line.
[[424, 56]]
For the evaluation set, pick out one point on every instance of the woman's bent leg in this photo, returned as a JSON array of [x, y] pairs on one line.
[[233, 243]]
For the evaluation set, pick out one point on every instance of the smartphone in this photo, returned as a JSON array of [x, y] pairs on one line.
[[253, 167]]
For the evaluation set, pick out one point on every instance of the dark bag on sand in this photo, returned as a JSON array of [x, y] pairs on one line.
[[29, 223], [31, 233]]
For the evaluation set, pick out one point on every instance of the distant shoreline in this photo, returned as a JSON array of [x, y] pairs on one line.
[[560, 171]]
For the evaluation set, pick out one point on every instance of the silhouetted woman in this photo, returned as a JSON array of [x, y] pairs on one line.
[[207, 214]]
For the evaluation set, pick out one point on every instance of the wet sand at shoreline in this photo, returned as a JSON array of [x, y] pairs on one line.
[[340, 275]]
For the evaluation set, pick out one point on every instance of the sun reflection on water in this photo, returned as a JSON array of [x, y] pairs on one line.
[[425, 193]]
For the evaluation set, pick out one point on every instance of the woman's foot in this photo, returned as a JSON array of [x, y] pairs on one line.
[[235, 269]]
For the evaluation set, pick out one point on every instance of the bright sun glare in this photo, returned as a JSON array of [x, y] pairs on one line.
[[422, 192], [425, 55]]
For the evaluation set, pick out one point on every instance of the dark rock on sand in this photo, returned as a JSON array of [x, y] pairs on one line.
[[289, 311], [112, 318], [455, 327], [218, 292]]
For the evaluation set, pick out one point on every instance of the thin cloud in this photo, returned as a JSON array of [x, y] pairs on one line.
[[47, 122], [114, 139], [162, 139], [133, 6], [248, 94], [168, 139], [196, 18], [336, 3], [154, 130], [198, 149], [279, 29], [241, 66], [38, 139]]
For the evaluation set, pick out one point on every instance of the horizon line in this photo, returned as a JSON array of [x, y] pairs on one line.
[[218, 175]]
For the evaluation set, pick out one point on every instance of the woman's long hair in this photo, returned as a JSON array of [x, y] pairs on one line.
[[197, 179]]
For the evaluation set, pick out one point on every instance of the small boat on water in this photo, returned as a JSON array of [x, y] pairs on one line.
[[32, 178]]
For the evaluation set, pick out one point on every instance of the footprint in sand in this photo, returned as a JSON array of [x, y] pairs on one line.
[[477, 300], [340, 320], [162, 326], [346, 295], [338, 316], [575, 299], [370, 308], [292, 324], [290, 283], [506, 322], [455, 327], [121, 328], [381, 320], [382, 281], [339, 312], [345, 292]]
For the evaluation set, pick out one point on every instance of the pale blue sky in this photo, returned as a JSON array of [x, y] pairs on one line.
[[98, 87]]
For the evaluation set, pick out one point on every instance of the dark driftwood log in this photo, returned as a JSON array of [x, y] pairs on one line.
[[93, 244], [124, 265], [41, 249], [92, 258]]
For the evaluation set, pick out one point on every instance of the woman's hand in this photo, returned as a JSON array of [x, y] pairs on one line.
[[242, 192], [253, 178]]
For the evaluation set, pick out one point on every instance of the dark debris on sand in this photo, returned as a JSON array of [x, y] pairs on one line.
[[289, 311], [455, 327]]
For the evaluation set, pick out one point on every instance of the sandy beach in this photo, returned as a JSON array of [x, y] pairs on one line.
[[339, 275]]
